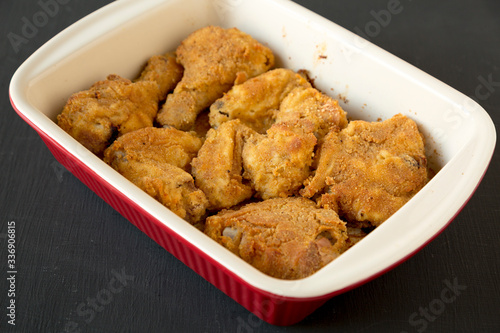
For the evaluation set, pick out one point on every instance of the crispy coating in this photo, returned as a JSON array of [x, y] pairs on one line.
[[310, 105], [153, 159], [159, 145], [214, 59], [256, 101], [217, 169], [165, 71], [371, 169], [278, 163], [110, 108], [287, 238]]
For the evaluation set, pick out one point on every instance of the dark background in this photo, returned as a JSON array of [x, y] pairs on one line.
[[69, 242]]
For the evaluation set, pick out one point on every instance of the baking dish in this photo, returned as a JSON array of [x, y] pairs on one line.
[[370, 83]]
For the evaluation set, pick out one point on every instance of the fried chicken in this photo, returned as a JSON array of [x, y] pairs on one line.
[[165, 71], [159, 145], [256, 101], [371, 169], [287, 238], [214, 59], [110, 108], [293, 115], [154, 159], [217, 169], [304, 105], [278, 163]]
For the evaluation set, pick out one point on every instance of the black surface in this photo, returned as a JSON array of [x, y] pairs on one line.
[[70, 243]]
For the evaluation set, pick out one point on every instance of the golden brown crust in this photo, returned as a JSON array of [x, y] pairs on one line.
[[256, 101], [218, 167], [278, 163], [371, 169], [110, 108], [303, 105], [287, 238], [214, 59], [159, 145], [152, 159], [165, 71]]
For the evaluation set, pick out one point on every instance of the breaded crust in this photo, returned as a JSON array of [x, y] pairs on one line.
[[218, 167], [256, 101], [153, 159], [108, 109], [370, 170], [214, 59], [287, 238]]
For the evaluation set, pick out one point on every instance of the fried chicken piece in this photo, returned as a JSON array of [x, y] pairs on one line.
[[153, 159], [371, 169], [159, 145], [256, 101], [287, 238], [110, 108], [214, 59], [278, 163], [165, 71], [217, 169], [309, 104]]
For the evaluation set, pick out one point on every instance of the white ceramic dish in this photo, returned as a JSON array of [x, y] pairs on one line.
[[370, 82]]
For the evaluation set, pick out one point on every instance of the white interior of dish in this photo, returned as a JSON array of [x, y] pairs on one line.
[[370, 83]]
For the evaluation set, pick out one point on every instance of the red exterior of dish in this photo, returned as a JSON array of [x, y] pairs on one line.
[[272, 308]]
